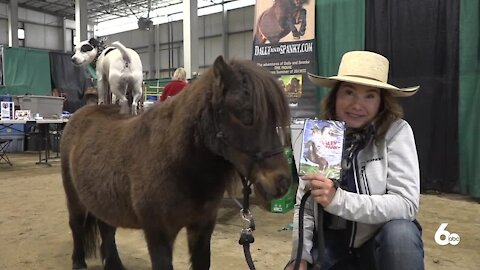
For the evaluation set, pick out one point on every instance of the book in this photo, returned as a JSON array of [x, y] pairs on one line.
[[322, 148], [22, 115]]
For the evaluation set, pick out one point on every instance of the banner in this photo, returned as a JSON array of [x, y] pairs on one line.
[[284, 43]]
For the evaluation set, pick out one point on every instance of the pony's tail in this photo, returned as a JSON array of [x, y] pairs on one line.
[[90, 235]]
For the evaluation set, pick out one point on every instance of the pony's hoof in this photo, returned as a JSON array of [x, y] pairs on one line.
[[113, 265], [79, 267]]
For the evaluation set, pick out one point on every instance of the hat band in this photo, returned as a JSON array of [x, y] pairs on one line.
[[363, 77]]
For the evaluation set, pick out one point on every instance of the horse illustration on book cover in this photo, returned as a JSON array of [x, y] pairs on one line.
[[322, 148]]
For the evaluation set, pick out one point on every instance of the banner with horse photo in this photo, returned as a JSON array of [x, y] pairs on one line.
[[284, 43]]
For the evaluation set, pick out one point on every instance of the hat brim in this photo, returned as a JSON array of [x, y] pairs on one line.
[[330, 82]]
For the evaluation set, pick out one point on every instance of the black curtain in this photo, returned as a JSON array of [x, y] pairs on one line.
[[69, 80], [420, 38], [1, 65]]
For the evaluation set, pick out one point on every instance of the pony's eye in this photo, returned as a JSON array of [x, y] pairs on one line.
[[247, 118]]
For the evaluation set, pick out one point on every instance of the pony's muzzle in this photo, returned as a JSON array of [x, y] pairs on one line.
[[272, 187], [283, 183]]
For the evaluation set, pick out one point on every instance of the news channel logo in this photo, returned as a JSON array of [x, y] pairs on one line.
[[444, 237]]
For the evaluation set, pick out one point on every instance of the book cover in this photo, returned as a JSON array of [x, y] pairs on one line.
[[322, 148], [22, 115]]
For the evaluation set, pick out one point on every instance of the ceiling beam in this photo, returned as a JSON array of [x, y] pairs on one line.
[[98, 10]]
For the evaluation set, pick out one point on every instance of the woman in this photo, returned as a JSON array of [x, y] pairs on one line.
[[176, 85], [370, 218]]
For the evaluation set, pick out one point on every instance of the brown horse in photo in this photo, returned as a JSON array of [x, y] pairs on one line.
[[279, 20], [294, 86], [168, 168], [313, 155]]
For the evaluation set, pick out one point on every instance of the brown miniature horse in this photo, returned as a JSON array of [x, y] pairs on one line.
[[168, 168], [279, 20]]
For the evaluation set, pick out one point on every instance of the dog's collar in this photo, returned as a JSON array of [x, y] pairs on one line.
[[100, 49], [109, 49]]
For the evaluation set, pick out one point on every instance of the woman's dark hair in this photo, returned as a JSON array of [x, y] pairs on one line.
[[389, 111]]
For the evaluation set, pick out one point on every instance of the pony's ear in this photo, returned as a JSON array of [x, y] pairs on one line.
[[222, 72], [94, 42]]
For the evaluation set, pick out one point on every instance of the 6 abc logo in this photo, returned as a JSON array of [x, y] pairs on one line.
[[444, 237]]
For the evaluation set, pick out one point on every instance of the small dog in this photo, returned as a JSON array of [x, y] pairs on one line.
[[119, 70]]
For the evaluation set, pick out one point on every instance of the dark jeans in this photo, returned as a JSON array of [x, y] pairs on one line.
[[397, 245]]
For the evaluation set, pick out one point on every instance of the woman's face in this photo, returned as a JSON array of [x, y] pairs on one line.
[[357, 105]]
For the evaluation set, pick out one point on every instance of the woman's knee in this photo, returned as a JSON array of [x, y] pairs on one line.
[[400, 233], [398, 245]]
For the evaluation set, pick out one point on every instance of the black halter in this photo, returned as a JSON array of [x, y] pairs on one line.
[[255, 156], [246, 234]]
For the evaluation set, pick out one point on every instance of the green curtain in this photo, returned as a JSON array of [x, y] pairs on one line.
[[340, 27], [469, 97], [26, 71]]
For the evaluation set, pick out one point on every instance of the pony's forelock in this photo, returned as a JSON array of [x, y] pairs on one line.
[[270, 103]]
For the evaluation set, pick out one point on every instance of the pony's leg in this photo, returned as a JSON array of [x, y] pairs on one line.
[[160, 247], [78, 254], [84, 234], [199, 237], [82, 224], [108, 248]]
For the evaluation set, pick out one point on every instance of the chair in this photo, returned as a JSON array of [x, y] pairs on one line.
[[4, 143]]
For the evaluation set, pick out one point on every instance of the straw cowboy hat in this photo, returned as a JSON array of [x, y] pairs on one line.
[[364, 68]]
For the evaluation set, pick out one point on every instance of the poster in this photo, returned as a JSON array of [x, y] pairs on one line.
[[7, 110], [284, 43]]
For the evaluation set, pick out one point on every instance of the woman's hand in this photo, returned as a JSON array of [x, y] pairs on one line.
[[323, 189], [303, 265]]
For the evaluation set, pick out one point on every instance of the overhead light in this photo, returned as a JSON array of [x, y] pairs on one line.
[[21, 34], [144, 23]]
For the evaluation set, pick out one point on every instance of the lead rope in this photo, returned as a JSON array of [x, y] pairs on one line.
[[320, 239], [301, 212], [246, 235]]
